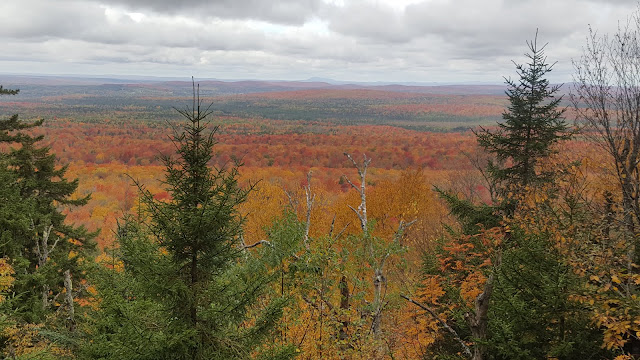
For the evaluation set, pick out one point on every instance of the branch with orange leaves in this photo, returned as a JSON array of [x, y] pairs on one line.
[[442, 322]]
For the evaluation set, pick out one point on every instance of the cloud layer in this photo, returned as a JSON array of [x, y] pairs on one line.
[[360, 40]]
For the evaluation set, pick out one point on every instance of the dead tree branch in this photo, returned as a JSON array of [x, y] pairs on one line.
[[310, 200], [362, 172], [466, 348]]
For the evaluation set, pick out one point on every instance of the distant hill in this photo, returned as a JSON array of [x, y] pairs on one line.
[[176, 87]]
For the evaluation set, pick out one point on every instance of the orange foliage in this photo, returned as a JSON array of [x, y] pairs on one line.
[[582, 218], [419, 329], [6, 277], [25, 341], [107, 157]]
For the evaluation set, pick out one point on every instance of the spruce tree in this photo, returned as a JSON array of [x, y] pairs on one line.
[[529, 313], [184, 262], [42, 248], [43, 183], [4, 91], [14, 210], [532, 124]]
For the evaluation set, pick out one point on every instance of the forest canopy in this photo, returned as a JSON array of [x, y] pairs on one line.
[[328, 224]]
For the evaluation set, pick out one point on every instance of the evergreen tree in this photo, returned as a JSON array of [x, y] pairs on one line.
[[41, 251], [532, 125], [14, 210], [186, 264], [529, 312], [4, 91], [531, 315], [39, 245], [134, 283]]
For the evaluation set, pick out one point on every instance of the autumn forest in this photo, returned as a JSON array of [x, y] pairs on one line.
[[152, 219]]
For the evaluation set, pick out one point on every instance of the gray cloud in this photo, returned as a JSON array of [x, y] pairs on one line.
[[428, 40], [38, 21], [77, 20], [469, 25], [376, 21], [285, 11]]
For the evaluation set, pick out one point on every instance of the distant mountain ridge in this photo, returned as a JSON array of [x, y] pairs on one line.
[[173, 85]]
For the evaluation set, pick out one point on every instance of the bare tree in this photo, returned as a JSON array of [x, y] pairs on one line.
[[606, 98], [377, 259], [361, 211], [310, 200]]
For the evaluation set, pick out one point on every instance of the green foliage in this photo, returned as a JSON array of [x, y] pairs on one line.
[[14, 222], [472, 217], [42, 190], [532, 125], [188, 287], [133, 317], [532, 315], [529, 313], [4, 91], [34, 236]]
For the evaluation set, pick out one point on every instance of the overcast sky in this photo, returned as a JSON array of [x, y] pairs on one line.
[[358, 40]]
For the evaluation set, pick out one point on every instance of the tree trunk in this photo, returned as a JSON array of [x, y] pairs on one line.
[[343, 334], [479, 320], [42, 252], [45, 296], [193, 311], [378, 283], [194, 278], [68, 285]]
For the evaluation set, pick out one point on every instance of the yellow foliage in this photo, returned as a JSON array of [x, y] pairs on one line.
[[623, 357], [25, 340], [110, 262], [417, 329], [597, 251], [430, 290], [6, 276], [471, 287], [261, 208]]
